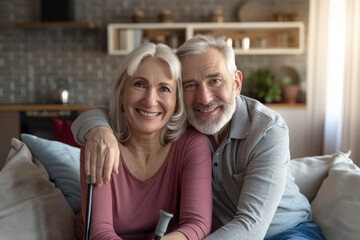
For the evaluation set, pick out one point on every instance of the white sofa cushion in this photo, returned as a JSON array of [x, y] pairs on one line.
[[31, 207], [310, 172], [336, 207]]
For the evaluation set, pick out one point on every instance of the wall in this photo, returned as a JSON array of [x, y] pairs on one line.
[[34, 62]]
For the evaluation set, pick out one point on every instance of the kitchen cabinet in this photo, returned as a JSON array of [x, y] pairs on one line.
[[295, 117], [248, 38], [34, 119], [9, 128]]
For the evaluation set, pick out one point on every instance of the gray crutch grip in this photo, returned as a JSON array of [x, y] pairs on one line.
[[162, 224]]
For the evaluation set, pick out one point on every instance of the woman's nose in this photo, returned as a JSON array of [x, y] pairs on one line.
[[151, 97]]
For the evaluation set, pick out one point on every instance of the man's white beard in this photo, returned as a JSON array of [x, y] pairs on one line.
[[211, 125]]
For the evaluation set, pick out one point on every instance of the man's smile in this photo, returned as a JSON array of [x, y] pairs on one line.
[[206, 110]]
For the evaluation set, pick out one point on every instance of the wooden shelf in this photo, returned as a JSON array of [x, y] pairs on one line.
[[247, 38], [86, 25]]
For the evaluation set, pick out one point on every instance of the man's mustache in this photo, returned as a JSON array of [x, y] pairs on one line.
[[216, 103]]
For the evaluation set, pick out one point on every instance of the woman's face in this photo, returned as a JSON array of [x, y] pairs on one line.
[[149, 97]]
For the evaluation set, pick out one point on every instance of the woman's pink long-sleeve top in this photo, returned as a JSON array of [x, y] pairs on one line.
[[128, 208]]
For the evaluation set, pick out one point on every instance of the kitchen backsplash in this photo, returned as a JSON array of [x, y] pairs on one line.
[[34, 62]]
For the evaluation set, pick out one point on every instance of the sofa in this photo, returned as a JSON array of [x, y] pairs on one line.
[[40, 191]]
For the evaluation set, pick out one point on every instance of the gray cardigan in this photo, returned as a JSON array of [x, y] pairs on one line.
[[254, 193]]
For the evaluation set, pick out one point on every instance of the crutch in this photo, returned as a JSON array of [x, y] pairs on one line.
[[160, 228], [88, 207], [162, 224]]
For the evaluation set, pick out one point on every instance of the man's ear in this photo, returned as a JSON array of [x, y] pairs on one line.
[[238, 82]]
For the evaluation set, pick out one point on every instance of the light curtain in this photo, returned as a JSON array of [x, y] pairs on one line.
[[351, 112], [316, 76], [333, 125]]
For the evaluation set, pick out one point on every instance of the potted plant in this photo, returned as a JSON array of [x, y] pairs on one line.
[[290, 90], [263, 88]]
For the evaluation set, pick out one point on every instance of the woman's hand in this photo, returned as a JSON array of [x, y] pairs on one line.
[[175, 235], [102, 154]]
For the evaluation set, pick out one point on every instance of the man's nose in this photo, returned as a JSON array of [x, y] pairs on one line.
[[204, 95]]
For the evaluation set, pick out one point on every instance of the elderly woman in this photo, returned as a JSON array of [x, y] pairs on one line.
[[162, 165]]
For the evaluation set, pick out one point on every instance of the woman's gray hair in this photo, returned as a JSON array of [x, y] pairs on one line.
[[201, 43], [128, 67]]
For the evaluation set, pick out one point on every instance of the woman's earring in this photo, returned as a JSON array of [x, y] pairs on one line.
[[122, 108]]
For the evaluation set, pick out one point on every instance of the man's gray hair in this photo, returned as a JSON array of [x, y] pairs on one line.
[[201, 43], [128, 67]]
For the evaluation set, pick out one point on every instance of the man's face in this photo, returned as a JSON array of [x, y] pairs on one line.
[[209, 90]]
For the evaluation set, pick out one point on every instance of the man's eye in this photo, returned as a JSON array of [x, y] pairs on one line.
[[215, 81], [190, 86]]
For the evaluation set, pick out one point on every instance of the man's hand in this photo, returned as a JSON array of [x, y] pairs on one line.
[[102, 154]]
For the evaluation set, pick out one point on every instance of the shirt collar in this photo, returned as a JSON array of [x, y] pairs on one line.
[[240, 121]]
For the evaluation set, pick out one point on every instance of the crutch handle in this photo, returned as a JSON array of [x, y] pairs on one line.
[[162, 224]]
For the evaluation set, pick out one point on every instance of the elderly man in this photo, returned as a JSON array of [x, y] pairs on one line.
[[254, 194]]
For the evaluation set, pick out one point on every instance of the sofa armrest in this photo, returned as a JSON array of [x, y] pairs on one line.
[[310, 172]]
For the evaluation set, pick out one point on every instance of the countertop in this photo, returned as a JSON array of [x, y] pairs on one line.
[[78, 107], [44, 107]]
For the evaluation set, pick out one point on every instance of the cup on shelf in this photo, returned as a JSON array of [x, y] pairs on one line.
[[138, 16], [245, 43], [282, 40], [260, 42], [217, 16], [166, 16], [172, 41]]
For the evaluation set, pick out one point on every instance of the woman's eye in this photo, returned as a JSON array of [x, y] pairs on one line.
[[164, 89], [139, 84]]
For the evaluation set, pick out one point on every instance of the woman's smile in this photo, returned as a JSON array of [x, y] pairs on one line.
[[148, 114]]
